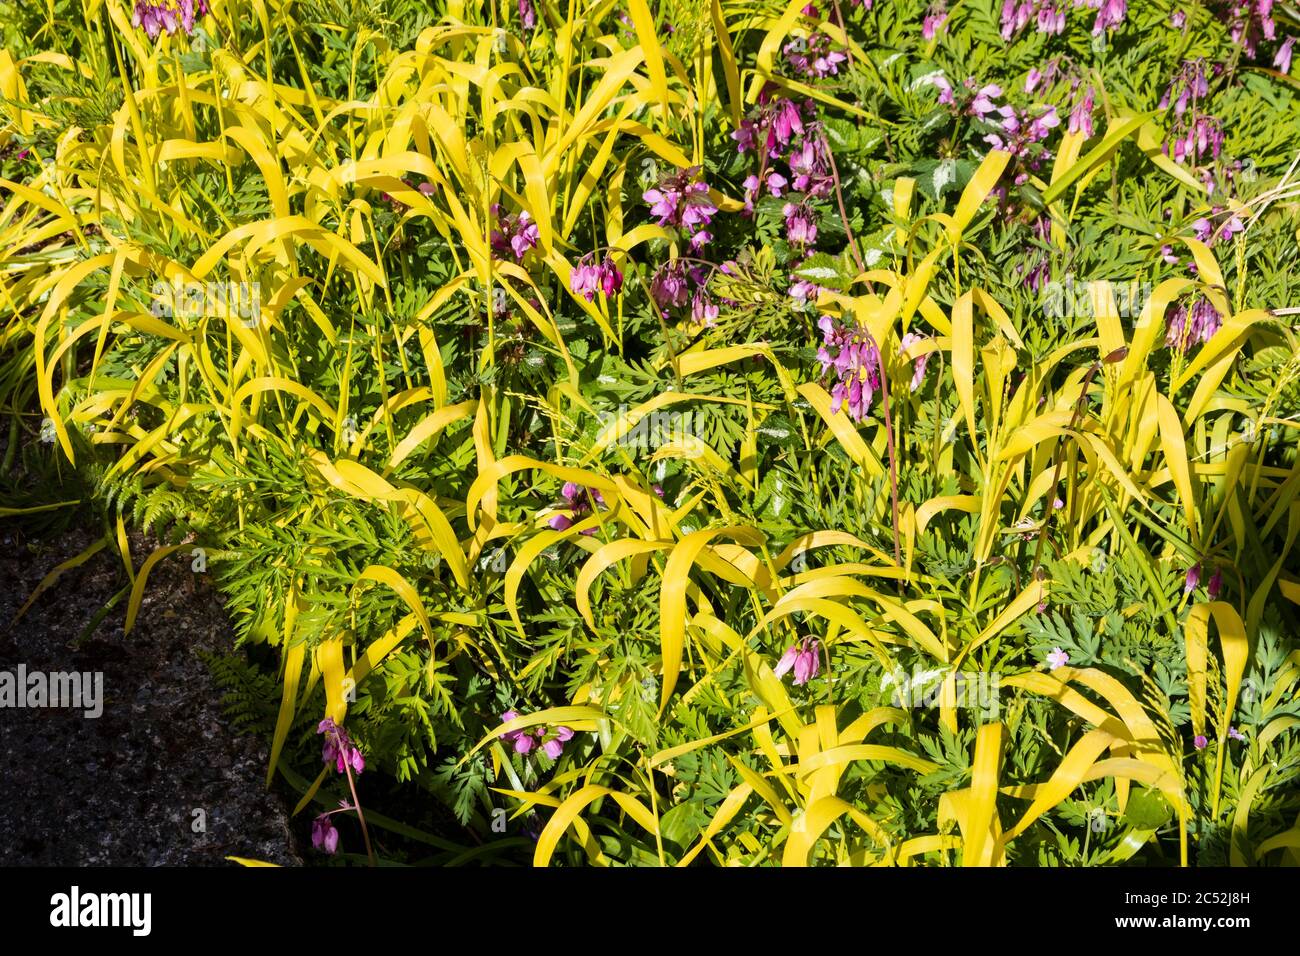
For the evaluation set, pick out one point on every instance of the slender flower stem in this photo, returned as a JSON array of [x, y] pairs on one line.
[[839, 199], [839, 20], [361, 817], [889, 439]]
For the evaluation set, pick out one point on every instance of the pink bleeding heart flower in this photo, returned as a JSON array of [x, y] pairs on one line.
[[918, 363], [338, 748], [323, 835], [803, 657]]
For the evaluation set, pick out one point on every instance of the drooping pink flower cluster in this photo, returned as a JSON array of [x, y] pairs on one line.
[[848, 353], [800, 224], [527, 14], [919, 362], [670, 287], [1251, 21], [1110, 13], [1187, 327], [1081, 113], [323, 835], [1189, 85], [704, 311], [1021, 134], [1037, 269], [1207, 232], [1082, 96], [1282, 58], [514, 234], [1047, 16], [803, 657], [682, 202], [980, 102], [675, 284], [588, 277], [781, 129], [577, 500], [935, 17], [552, 741], [1196, 139], [805, 293], [339, 748], [813, 56], [167, 16]]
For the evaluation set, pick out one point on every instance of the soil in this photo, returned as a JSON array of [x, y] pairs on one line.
[[160, 777]]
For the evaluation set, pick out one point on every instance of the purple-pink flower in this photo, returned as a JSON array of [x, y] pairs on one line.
[[813, 56], [514, 234], [704, 311], [167, 16], [800, 224], [338, 748], [848, 353], [527, 14], [1081, 114], [588, 278], [1251, 21], [577, 500], [1282, 58], [323, 835], [670, 287], [683, 202], [918, 363], [1057, 658], [525, 740], [1110, 14], [1189, 326], [803, 657], [934, 19], [1047, 16]]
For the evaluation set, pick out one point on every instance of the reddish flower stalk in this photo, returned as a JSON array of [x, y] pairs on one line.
[[340, 751]]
